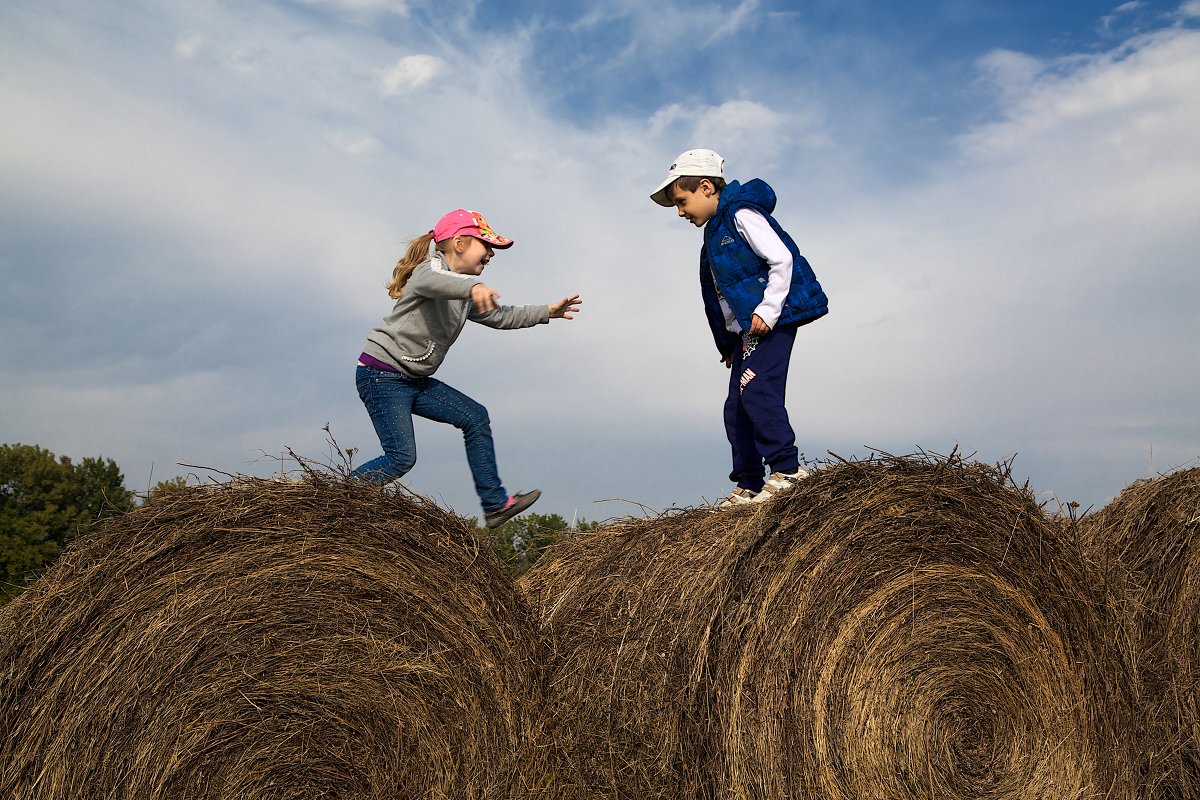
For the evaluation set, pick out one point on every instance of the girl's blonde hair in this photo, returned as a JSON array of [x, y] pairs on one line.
[[417, 254]]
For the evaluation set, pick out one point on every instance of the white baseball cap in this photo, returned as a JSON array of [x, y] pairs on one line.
[[693, 163]]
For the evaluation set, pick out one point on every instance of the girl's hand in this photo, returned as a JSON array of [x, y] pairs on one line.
[[484, 298], [564, 308]]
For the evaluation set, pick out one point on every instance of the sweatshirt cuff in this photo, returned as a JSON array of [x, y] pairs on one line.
[[768, 314]]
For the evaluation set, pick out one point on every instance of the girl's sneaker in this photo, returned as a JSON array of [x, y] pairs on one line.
[[515, 505], [738, 497], [778, 483]]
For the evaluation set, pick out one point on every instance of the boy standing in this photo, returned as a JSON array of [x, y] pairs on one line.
[[757, 291]]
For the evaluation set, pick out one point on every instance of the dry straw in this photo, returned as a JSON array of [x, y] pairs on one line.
[[897, 628], [258, 640], [1148, 541]]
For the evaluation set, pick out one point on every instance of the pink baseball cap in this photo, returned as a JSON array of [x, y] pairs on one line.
[[461, 222]]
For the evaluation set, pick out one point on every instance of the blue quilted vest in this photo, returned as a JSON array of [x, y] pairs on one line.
[[741, 276]]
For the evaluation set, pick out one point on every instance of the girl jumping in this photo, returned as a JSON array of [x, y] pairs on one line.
[[437, 289]]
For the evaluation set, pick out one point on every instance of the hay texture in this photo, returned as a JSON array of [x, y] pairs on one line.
[[897, 628], [253, 640], [1148, 541]]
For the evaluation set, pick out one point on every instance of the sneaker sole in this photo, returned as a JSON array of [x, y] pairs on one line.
[[523, 502]]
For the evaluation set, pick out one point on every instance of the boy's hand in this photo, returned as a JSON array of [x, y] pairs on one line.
[[484, 298], [758, 327], [728, 362], [564, 308]]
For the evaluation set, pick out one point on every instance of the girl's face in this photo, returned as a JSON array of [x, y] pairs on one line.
[[468, 255]]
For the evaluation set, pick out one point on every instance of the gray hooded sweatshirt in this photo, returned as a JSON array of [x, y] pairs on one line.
[[430, 315]]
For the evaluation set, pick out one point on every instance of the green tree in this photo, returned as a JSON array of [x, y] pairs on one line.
[[45, 501], [521, 542], [165, 488]]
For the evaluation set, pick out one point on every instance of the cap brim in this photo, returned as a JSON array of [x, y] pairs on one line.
[[660, 194], [498, 242]]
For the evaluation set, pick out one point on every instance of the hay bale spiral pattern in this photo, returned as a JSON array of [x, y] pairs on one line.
[[1147, 541], [268, 640], [899, 628]]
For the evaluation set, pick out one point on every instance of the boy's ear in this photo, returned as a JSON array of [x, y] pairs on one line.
[[707, 187]]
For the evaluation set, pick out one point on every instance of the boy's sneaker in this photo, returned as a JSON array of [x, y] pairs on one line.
[[779, 482], [738, 497], [515, 505]]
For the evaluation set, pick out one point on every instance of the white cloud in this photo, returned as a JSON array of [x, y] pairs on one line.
[[1116, 129], [735, 21], [362, 7], [190, 46], [246, 60], [753, 126], [594, 17], [1030, 294], [661, 28], [758, 132], [1125, 8], [1034, 296], [411, 72], [667, 116], [1010, 74], [355, 145]]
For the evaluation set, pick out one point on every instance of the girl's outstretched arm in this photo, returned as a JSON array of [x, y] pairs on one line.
[[565, 308], [484, 298]]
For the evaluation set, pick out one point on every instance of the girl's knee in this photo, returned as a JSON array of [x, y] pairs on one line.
[[399, 464], [475, 416]]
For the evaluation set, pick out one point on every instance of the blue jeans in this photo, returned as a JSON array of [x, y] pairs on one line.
[[392, 399]]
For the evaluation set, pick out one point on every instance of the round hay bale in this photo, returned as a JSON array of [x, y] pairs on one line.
[[899, 628], [258, 639], [1148, 542]]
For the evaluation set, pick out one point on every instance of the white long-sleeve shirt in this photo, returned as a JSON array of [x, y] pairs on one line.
[[767, 245]]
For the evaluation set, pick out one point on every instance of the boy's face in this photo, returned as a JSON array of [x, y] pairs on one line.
[[696, 207]]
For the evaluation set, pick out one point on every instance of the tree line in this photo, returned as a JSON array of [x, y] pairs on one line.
[[47, 500]]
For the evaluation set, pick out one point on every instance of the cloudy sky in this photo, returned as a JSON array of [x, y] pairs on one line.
[[201, 201]]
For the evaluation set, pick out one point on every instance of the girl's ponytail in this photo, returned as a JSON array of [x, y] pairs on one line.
[[417, 253]]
